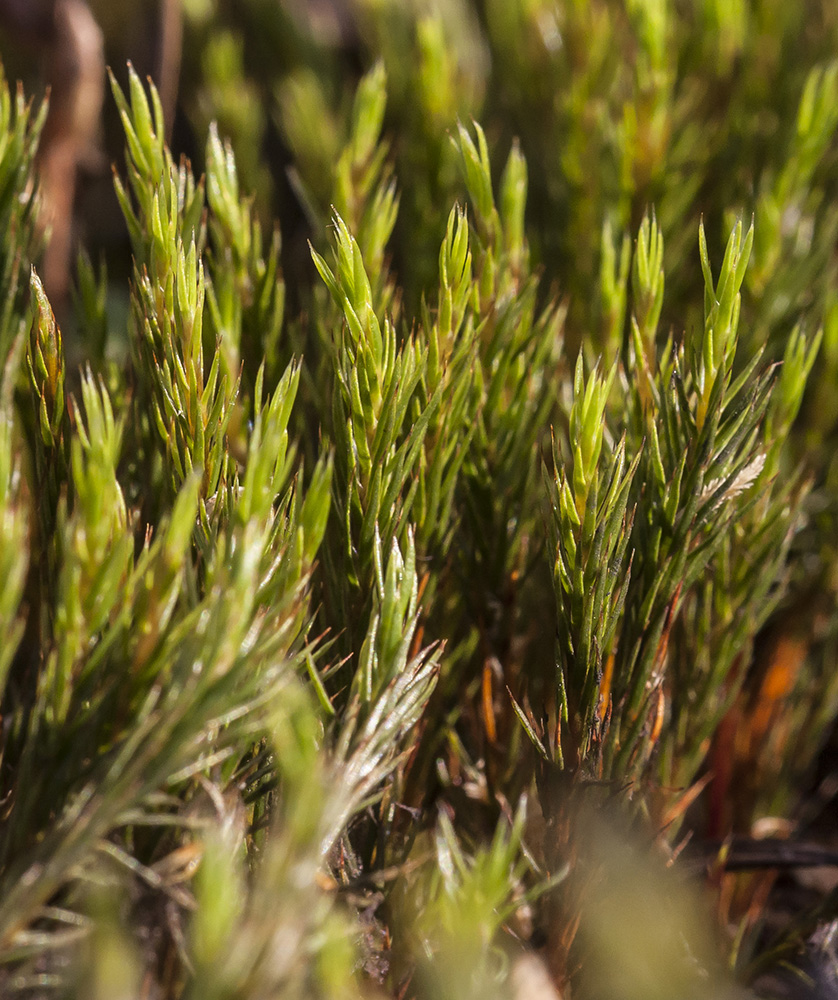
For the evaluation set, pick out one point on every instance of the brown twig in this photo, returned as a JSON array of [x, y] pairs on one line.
[[171, 48], [77, 73]]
